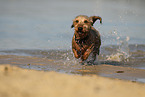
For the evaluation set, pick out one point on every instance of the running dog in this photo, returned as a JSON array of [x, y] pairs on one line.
[[86, 38]]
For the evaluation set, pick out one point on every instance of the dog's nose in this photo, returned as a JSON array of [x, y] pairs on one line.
[[80, 28]]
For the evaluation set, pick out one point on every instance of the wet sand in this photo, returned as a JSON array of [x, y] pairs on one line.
[[18, 82], [69, 67]]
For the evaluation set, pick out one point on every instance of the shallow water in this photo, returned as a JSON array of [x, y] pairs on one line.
[[111, 55]]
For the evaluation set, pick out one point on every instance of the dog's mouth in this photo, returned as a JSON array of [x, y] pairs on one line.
[[80, 32]]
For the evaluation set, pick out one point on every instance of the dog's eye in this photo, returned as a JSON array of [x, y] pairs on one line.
[[77, 21], [85, 21]]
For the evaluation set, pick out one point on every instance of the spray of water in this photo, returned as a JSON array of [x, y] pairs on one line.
[[123, 50]]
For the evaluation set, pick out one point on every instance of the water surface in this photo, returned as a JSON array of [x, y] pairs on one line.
[[45, 24]]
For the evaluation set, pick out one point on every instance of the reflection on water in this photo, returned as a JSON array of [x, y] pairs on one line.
[[141, 80]]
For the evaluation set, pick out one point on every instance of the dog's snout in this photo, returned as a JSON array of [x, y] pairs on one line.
[[80, 28]]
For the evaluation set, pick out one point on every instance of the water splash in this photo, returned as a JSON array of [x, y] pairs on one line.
[[116, 57], [122, 52], [124, 48]]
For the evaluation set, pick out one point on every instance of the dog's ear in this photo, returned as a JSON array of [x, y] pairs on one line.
[[72, 25], [94, 18]]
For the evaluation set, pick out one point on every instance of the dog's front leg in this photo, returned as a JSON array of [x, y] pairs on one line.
[[76, 49], [76, 53], [87, 52]]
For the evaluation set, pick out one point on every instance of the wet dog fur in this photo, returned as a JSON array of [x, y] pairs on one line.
[[86, 38]]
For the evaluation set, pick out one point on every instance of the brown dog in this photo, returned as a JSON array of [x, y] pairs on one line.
[[86, 38]]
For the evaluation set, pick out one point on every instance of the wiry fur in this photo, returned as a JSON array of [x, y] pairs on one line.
[[86, 38]]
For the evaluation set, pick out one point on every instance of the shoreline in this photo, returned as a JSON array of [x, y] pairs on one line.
[[45, 64]]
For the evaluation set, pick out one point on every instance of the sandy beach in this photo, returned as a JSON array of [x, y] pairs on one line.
[[18, 82]]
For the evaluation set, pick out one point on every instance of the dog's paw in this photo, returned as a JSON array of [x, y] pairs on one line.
[[90, 63], [83, 63]]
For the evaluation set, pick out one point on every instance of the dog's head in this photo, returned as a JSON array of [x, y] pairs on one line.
[[83, 24]]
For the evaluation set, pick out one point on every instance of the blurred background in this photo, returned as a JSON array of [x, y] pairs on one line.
[[46, 24]]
